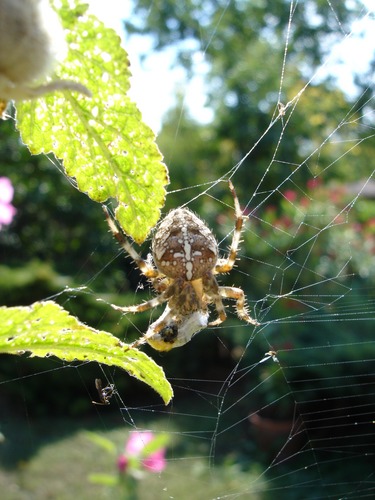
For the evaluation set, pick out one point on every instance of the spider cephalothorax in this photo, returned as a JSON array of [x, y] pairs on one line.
[[185, 253]]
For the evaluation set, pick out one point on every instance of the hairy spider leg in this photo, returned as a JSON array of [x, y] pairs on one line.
[[211, 289], [226, 264], [237, 294], [145, 306], [143, 265]]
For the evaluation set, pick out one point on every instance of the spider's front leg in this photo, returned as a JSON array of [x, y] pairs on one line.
[[144, 306], [229, 292], [146, 268]]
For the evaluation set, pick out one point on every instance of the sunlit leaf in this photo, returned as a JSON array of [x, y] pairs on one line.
[[103, 142], [46, 329]]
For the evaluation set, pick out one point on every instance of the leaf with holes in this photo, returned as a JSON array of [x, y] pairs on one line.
[[46, 329], [103, 142]]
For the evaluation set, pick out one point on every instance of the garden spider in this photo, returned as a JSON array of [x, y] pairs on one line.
[[185, 253]]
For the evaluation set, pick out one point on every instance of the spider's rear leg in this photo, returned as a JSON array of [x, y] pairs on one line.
[[229, 292]]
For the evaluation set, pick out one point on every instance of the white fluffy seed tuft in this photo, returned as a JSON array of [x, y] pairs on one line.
[[31, 42]]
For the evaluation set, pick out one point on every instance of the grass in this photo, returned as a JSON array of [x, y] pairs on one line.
[[57, 463], [52, 459]]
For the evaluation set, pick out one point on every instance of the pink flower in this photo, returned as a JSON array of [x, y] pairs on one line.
[[290, 195], [136, 456], [7, 210], [304, 202], [156, 461], [313, 183], [122, 463]]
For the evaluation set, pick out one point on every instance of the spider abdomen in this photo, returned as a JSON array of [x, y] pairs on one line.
[[183, 246]]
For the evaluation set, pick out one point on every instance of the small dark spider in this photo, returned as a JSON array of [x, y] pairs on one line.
[[105, 393], [185, 253]]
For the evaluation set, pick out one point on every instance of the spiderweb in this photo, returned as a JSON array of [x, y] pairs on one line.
[[286, 408]]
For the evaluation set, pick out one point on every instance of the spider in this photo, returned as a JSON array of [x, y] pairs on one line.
[[185, 253]]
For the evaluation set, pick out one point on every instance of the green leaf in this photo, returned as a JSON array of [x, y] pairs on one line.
[[103, 142], [101, 441], [103, 479], [46, 329]]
